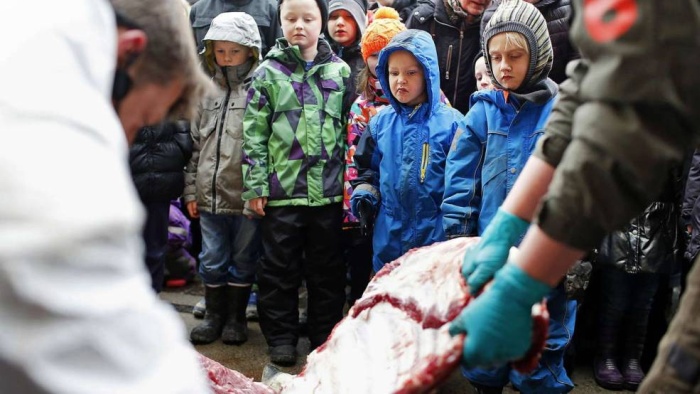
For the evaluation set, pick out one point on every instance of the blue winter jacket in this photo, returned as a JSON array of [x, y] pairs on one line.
[[485, 160], [402, 158]]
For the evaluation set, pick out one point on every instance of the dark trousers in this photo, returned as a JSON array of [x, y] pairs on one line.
[[155, 237], [626, 301], [300, 243], [357, 250]]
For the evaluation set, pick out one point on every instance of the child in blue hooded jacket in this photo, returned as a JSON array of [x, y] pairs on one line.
[[502, 128], [401, 155]]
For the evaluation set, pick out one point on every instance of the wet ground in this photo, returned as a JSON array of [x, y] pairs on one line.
[[251, 357]]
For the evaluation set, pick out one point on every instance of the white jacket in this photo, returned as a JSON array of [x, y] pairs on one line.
[[77, 313]]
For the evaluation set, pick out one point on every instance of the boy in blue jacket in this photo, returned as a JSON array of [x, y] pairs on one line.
[[401, 155], [502, 128]]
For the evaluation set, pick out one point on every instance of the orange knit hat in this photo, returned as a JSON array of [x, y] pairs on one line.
[[386, 24]]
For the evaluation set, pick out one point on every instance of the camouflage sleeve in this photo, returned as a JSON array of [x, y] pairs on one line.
[[256, 133], [557, 136], [636, 117], [616, 164]]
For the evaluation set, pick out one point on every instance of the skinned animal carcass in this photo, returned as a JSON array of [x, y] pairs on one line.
[[395, 338]]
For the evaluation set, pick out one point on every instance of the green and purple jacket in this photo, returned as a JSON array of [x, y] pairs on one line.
[[294, 128]]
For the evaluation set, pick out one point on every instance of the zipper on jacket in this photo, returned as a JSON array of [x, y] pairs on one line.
[[449, 63], [224, 108], [459, 64], [424, 161]]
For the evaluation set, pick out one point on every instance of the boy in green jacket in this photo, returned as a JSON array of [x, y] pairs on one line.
[[293, 177]]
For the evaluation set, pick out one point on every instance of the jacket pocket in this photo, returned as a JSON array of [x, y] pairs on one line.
[[494, 170], [211, 111], [234, 117], [333, 90]]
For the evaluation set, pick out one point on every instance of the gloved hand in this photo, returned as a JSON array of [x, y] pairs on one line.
[[362, 195], [498, 323], [489, 255]]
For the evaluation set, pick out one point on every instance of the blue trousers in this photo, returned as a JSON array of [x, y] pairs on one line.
[[549, 376], [231, 248]]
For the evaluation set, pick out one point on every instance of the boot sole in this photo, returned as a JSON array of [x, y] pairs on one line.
[[285, 361], [609, 386]]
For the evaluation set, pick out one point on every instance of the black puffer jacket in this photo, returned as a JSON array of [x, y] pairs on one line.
[[403, 7], [557, 13], [457, 47], [652, 241], [691, 207], [157, 160], [351, 55]]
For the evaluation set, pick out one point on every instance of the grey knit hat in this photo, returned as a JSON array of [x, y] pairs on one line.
[[521, 17], [356, 8]]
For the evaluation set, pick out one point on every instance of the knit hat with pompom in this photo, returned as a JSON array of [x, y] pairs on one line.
[[386, 24]]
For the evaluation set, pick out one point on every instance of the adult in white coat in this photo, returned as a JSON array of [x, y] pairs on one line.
[[77, 314]]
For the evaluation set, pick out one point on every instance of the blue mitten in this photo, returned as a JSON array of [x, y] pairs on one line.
[[489, 255], [361, 195], [498, 323]]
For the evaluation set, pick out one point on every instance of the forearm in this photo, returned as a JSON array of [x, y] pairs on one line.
[[544, 258], [531, 185]]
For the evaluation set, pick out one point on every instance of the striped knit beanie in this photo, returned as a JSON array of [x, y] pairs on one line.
[[386, 24], [521, 17]]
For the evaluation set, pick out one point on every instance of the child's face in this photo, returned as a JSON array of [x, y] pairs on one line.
[[301, 22], [481, 73], [372, 61], [342, 27], [508, 63], [406, 79], [229, 53]]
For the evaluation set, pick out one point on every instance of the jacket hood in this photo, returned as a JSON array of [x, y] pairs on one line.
[[237, 27], [422, 47]]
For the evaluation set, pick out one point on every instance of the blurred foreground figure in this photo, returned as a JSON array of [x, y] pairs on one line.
[[77, 313]]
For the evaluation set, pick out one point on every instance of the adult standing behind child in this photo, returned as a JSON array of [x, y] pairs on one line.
[[293, 166], [455, 28], [503, 126], [214, 181], [347, 20], [401, 155]]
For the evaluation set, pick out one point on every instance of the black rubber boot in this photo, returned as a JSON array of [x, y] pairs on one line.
[[236, 327], [214, 318]]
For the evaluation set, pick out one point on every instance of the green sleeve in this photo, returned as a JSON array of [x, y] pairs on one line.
[[256, 134]]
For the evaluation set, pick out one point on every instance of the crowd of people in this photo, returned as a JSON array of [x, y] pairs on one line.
[[280, 145]]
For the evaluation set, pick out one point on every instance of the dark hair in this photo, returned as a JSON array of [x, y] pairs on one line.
[[322, 6]]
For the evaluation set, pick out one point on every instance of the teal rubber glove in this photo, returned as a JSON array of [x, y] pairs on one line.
[[491, 253], [498, 323]]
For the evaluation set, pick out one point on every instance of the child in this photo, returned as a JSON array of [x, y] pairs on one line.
[[481, 74], [358, 250], [401, 156], [214, 181], [346, 26], [503, 126], [293, 164], [631, 263]]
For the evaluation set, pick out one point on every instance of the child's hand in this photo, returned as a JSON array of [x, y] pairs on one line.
[[192, 209], [258, 205]]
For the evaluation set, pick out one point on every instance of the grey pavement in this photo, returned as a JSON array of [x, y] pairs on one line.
[[251, 357]]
